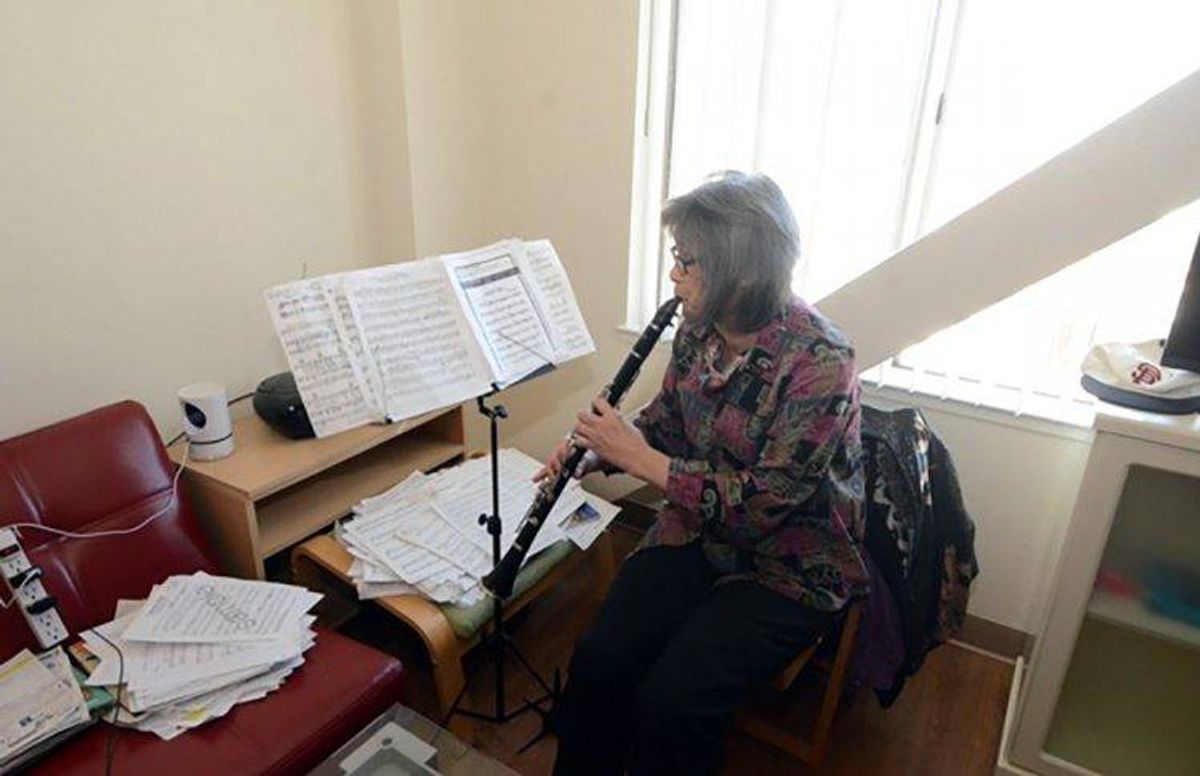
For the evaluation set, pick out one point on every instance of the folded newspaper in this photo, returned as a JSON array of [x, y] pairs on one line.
[[39, 699], [423, 536]]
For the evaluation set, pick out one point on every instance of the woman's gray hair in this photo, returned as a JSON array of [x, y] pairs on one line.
[[742, 234]]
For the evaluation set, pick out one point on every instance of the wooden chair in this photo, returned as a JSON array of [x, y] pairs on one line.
[[810, 750], [323, 564]]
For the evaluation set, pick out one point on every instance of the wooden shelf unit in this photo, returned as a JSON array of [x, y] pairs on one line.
[[273, 492]]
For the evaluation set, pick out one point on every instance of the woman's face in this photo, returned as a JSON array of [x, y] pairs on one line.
[[689, 287]]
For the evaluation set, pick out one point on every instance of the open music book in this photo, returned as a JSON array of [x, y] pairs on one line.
[[392, 342]]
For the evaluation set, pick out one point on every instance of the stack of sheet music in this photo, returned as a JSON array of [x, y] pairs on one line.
[[198, 646], [393, 342], [423, 536], [39, 699]]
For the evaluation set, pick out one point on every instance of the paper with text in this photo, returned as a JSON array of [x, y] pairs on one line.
[[418, 339], [465, 492], [501, 310], [149, 666], [38, 698], [203, 608], [306, 316], [556, 301], [394, 342]]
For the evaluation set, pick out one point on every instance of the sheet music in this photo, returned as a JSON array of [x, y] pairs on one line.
[[169, 721], [395, 342], [413, 542], [465, 492], [441, 538], [556, 301], [305, 318], [203, 608], [153, 666], [365, 368], [414, 487], [418, 339], [422, 536], [501, 310]]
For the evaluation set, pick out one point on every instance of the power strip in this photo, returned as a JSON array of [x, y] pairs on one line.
[[25, 586]]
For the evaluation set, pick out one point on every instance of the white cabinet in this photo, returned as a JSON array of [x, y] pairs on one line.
[[1114, 684]]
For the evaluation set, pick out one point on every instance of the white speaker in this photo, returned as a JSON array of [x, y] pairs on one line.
[[206, 420]]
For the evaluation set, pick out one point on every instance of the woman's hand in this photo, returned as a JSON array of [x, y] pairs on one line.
[[606, 435], [609, 435], [588, 464]]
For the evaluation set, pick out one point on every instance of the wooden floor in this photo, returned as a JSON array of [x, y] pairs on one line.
[[947, 720]]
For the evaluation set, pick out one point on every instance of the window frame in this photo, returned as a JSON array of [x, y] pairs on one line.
[[648, 282]]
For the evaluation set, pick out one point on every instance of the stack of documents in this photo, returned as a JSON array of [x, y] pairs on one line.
[[198, 646], [423, 536], [393, 342], [39, 699]]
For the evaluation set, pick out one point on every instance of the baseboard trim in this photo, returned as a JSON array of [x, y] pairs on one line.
[[992, 637]]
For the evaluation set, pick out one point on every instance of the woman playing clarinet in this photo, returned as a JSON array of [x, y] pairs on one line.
[[754, 438]]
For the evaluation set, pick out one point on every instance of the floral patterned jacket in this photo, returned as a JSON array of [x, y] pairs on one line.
[[766, 465]]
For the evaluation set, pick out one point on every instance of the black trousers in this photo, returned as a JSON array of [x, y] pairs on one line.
[[655, 682]]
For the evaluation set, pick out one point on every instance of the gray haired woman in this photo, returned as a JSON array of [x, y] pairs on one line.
[[754, 438]]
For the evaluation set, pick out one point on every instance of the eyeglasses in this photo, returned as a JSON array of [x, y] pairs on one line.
[[683, 262]]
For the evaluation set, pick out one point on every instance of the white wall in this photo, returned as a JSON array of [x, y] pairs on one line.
[[163, 163], [521, 121], [227, 143]]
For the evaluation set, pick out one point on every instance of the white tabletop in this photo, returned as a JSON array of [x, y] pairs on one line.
[[1175, 430]]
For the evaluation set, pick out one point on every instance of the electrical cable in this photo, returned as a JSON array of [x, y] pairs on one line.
[[110, 744], [117, 531], [237, 399]]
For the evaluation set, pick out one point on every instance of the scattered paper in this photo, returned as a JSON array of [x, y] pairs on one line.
[[423, 536], [205, 609], [182, 657], [38, 699]]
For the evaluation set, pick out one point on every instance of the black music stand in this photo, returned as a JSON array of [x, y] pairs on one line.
[[498, 640]]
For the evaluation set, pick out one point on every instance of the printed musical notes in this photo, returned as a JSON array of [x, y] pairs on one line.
[[306, 319], [417, 338], [502, 310], [423, 537], [552, 288], [397, 341]]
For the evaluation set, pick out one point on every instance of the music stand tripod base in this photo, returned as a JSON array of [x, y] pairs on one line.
[[498, 640]]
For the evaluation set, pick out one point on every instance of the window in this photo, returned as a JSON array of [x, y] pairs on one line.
[[881, 121]]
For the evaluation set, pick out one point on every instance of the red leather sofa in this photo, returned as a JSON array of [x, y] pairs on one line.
[[107, 469]]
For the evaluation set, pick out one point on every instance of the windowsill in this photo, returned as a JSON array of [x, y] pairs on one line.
[[1025, 422], [1079, 430]]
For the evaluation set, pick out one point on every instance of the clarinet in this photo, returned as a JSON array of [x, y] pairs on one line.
[[499, 582]]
